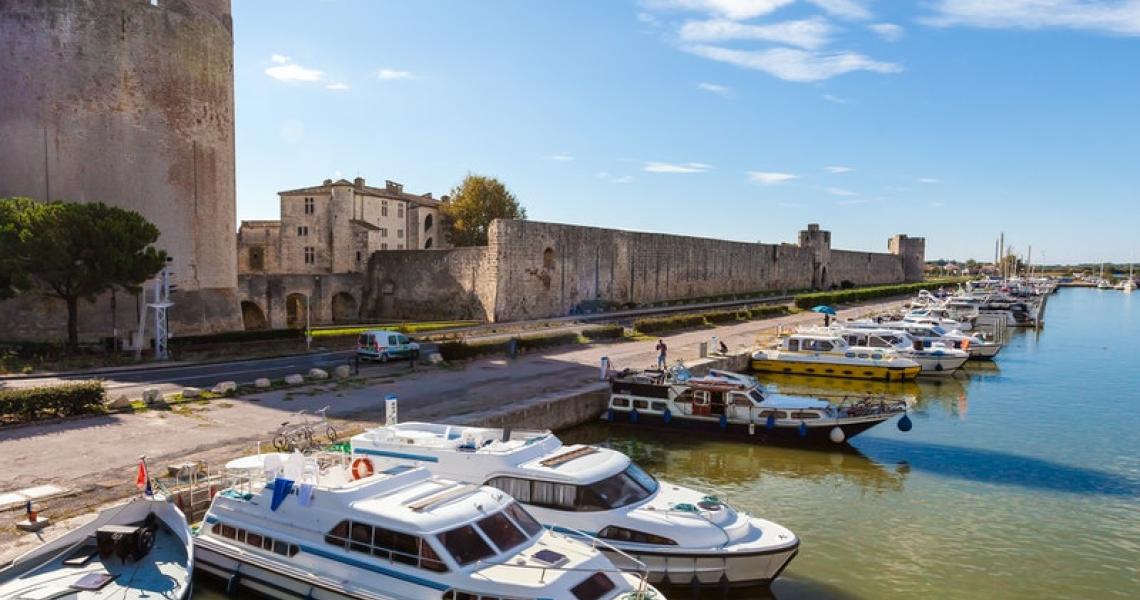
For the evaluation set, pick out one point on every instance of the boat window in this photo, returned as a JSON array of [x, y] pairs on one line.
[[864, 355], [429, 559], [822, 346], [597, 586], [685, 396], [793, 345], [621, 489], [622, 534], [642, 478], [229, 531], [338, 535], [741, 400], [641, 404], [465, 544], [756, 396], [621, 402], [554, 495], [659, 406], [877, 356], [517, 488], [502, 531], [523, 518], [778, 414], [254, 539], [361, 537], [805, 415], [877, 342], [395, 545]]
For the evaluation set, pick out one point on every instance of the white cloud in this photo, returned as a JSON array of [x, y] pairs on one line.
[[732, 9], [855, 10], [715, 88], [834, 191], [929, 180], [1110, 16], [293, 72], [810, 33], [834, 99], [790, 64], [392, 74], [839, 169], [850, 201], [613, 178], [279, 59], [337, 87], [770, 177], [888, 31], [561, 157], [662, 167]]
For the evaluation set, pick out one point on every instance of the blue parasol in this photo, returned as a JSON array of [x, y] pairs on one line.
[[825, 309]]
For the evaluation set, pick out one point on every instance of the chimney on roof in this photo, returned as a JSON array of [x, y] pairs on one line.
[[428, 195], [445, 198], [392, 186], [358, 183], [327, 182]]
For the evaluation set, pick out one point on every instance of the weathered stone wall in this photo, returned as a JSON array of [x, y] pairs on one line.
[[460, 283], [130, 104], [280, 299], [548, 269], [865, 268], [532, 270]]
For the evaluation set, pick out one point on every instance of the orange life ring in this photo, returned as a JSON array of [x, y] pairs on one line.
[[362, 467], [965, 344]]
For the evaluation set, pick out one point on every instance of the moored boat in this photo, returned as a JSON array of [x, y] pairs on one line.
[[934, 359], [730, 404], [683, 536], [141, 549], [319, 530], [830, 355]]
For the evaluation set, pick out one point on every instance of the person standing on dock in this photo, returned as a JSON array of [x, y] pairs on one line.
[[826, 320], [661, 350]]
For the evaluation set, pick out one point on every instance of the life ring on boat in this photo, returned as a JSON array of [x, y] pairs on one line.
[[362, 467]]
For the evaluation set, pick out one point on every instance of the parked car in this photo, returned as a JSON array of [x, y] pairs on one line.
[[383, 344]]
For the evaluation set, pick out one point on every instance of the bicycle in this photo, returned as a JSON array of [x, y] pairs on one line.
[[301, 436]]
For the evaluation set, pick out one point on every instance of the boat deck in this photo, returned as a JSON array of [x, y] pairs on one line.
[[159, 574]]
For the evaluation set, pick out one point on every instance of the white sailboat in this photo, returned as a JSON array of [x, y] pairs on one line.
[[1130, 283]]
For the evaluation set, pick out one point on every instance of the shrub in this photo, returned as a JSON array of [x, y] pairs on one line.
[[29, 404], [865, 293], [603, 332], [229, 337], [657, 324], [458, 350], [763, 312]]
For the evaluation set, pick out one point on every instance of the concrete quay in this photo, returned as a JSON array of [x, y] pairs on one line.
[[94, 458]]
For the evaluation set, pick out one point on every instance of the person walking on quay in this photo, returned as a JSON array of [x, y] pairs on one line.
[[826, 320], [661, 350]]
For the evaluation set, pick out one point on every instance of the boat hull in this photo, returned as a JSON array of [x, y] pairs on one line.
[[239, 572], [745, 569], [783, 431], [876, 372], [939, 365]]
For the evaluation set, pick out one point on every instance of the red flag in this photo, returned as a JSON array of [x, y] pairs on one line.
[[142, 480]]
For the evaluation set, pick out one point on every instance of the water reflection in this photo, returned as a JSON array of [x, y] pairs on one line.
[[787, 586], [731, 463]]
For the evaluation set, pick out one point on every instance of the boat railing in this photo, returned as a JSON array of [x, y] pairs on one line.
[[640, 567]]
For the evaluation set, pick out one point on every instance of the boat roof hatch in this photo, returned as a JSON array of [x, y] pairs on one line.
[[566, 457], [443, 497]]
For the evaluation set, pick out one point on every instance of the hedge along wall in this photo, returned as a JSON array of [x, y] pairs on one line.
[[868, 293], [659, 324], [29, 404]]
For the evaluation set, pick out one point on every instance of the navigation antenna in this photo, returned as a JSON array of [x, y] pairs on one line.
[[162, 289]]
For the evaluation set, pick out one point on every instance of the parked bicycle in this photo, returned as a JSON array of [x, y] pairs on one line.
[[292, 436]]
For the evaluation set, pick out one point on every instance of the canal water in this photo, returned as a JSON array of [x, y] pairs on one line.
[[1020, 478]]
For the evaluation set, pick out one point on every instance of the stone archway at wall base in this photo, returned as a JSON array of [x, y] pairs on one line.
[[252, 317], [295, 308]]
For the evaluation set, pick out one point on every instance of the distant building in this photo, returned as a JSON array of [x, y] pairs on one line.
[[334, 227], [320, 247]]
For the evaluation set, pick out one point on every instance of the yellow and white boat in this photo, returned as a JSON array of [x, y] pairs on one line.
[[829, 355]]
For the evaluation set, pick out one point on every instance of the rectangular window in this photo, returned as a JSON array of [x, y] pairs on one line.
[[400, 233], [399, 246], [383, 208], [310, 255], [256, 258], [383, 246], [358, 255], [310, 207], [383, 232], [302, 230], [400, 210]]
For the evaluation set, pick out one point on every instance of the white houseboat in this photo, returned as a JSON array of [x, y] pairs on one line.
[[309, 527], [829, 355], [684, 536]]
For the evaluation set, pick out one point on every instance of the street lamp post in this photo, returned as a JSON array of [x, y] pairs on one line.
[[308, 331]]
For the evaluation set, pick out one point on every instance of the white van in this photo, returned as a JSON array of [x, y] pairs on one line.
[[384, 344]]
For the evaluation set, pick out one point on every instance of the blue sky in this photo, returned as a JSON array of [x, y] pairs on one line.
[[734, 119]]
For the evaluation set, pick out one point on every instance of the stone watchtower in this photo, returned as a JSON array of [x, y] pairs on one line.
[[819, 242], [131, 103], [913, 254]]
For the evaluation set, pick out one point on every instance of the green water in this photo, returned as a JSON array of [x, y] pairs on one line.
[[1019, 480]]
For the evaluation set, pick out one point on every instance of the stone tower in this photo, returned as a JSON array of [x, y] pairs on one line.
[[913, 253], [129, 102], [819, 242]]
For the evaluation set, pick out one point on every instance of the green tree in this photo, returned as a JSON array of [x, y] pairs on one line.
[[78, 251], [972, 265], [13, 271], [473, 205]]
